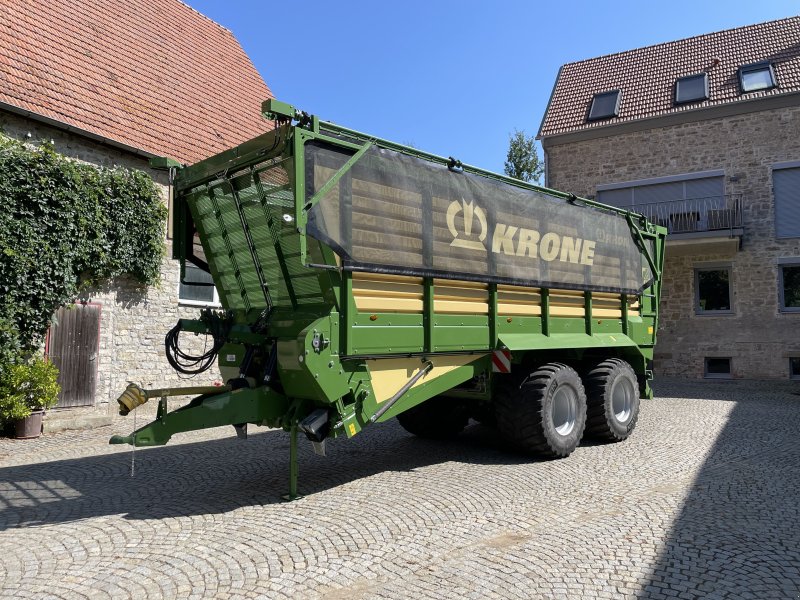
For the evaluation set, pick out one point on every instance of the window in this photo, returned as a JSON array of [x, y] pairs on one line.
[[789, 285], [717, 368], [604, 106], [195, 288], [682, 203], [755, 77], [794, 367], [706, 185], [713, 290], [786, 193], [691, 89]]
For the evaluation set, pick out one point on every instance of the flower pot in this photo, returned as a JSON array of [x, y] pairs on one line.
[[31, 426]]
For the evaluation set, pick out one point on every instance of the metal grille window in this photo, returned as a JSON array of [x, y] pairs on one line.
[[717, 368], [195, 288], [605, 105], [692, 88], [713, 291], [789, 276], [756, 77], [786, 192]]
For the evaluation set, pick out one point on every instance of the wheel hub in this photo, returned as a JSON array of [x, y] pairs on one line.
[[622, 395], [565, 409]]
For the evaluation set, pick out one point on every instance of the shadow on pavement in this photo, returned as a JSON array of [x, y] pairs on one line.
[[738, 532], [220, 475]]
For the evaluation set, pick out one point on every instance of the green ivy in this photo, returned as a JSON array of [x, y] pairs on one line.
[[65, 225]]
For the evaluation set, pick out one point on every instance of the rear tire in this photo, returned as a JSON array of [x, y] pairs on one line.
[[612, 393], [437, 418], [545, 412]]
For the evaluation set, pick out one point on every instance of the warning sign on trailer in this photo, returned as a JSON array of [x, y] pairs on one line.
[[501, 361]]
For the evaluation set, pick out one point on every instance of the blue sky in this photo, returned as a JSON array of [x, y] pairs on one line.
[[452, 78]]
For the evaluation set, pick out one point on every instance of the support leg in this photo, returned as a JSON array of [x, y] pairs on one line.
[[293, 467]]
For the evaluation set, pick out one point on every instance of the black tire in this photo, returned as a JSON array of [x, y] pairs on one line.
[[437, 418], [612, 396], [543, 413]]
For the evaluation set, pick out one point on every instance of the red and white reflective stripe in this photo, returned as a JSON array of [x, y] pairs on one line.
[[501, 361]]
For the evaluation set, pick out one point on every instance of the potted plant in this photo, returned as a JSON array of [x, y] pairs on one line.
[[27, 389]]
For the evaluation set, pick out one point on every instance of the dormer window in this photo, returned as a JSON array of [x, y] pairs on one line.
[[604, 105], [756, 77], [692, 88]]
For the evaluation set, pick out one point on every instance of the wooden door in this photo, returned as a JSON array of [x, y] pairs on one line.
[[72, 346]]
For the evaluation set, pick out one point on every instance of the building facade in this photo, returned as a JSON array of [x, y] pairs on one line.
[[124, 83], [703, 136]]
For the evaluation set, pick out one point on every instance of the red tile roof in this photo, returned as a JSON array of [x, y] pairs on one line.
[[646, 76], [152, 74]]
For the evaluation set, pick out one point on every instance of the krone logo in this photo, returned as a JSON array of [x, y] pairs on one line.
[[471, 212]]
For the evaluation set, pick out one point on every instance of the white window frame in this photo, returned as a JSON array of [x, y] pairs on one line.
[[185, 302]]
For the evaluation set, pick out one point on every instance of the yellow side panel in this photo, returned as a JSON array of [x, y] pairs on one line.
[[607, 313], [390, 374], [518, 310], [518, 301], [460, 297], [566, 303], [384, 305], [376, 292], [566, 311]]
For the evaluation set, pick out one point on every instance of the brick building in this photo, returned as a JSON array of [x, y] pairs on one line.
[[703, 136], [116, 83]]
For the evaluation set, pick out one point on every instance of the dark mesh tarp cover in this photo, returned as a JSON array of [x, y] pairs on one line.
[[395, 213]]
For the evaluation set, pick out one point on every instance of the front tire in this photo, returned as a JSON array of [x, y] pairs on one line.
[[612, 393], [544, 413], [437, 418]]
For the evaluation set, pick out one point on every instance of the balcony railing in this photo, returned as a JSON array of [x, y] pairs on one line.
[[714, 213]]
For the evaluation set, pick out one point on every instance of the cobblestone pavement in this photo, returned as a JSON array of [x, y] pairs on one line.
[[700, 502]]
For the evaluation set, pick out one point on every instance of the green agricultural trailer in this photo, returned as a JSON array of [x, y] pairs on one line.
[[362, 280]]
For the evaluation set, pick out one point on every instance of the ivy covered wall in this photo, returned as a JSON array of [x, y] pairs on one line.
[[65, 226]]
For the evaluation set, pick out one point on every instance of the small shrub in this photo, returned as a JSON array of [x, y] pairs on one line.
[[26, 387]]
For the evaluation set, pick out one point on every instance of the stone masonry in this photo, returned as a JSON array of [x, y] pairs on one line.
[[700, 502], [134, 319], [757, 337]]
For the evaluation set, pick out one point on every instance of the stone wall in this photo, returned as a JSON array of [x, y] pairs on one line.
[[134, 319], [757, 337]]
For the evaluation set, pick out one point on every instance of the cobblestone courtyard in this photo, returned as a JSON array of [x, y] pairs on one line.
[[700, 502]]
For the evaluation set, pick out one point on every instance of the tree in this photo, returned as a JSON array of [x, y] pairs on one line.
[[522, 160]]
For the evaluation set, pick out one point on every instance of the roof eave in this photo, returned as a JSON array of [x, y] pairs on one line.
[[549, 102], [95, 137], [738, 107]]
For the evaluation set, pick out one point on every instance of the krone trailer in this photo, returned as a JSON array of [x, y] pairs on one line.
[[362, 280]]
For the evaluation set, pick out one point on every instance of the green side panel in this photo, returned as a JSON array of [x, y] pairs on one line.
[[560, 341], [387, 333], [460, 332]]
